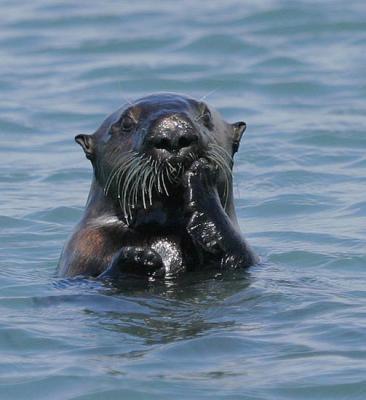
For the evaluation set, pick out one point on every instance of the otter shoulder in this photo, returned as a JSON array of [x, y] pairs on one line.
[[89, 249]]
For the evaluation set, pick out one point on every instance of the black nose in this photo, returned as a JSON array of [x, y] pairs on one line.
[[174, 141]]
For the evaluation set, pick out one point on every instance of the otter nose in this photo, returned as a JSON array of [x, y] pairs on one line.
[[174, 141]]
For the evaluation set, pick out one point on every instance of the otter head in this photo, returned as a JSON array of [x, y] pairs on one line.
[[141, 151]]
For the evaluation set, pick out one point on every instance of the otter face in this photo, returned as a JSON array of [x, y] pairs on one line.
[[167, 128], [141, 151]]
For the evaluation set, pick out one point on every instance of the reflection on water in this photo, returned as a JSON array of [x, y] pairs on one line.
[[161, 311]]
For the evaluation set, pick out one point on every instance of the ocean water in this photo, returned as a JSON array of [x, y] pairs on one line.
[[293, 327]]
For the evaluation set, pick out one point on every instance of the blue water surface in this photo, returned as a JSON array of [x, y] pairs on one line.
[[293, 327]]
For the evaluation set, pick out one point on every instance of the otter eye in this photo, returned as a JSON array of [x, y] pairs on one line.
[[127, 123], [206, 119], [205, 116]]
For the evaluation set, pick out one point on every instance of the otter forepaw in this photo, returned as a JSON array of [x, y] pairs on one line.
[[204, 232], [134, 261], [201, 172], [200, 185]]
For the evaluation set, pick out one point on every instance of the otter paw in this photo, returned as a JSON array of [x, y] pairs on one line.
[[204, 233], [200, 169], [200, 172], [145, 260], [135, 261], [200, 185]]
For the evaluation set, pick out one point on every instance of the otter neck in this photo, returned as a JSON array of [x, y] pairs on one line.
[[99, 206], [165, 213]]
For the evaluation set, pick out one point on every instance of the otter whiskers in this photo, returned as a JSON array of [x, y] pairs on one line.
[[136, 178], [223, 162]]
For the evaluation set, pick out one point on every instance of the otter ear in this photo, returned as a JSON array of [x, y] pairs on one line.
[[87, 143], [238, 130]]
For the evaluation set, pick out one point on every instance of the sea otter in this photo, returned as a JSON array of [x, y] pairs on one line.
[[161, 198]]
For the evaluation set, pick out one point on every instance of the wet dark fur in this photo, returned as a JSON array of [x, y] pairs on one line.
[[161, 198]]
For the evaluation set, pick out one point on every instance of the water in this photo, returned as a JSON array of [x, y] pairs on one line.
[[293, 327]]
